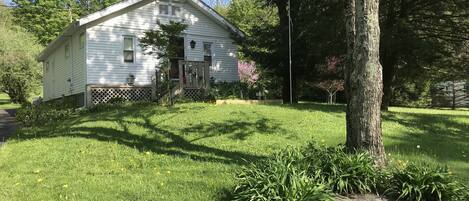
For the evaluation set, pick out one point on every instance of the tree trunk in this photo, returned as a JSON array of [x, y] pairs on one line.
[[389, 74], [365, 90]]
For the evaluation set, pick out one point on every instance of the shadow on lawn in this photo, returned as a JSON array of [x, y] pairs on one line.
[[235, 129], [156, 138], [337, 108], [438, 135]]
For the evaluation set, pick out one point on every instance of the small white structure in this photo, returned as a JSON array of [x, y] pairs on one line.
[[451, 94], [101, 53]]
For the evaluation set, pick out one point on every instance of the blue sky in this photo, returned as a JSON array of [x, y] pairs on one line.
[[208, 1]]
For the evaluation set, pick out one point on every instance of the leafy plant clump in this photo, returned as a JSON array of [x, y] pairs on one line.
[[30, 115], [344, 173], [423, 182], [283, 177], [314, 171]]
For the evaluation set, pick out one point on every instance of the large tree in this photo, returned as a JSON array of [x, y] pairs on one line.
[[46, 19], [417, 36], [20, 73], [364, 79], [315, 36]]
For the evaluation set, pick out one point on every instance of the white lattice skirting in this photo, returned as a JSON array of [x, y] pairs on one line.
[[100, 95], [194, 94]]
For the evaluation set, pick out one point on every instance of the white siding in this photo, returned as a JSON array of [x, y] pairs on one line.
[[78, 67], [62, 69], [105, 40], [57, 75]]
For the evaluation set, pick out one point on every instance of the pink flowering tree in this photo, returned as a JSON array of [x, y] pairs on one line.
[[248, 73], [331, 81]]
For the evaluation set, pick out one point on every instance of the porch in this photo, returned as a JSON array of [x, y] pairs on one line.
[[187, 79]]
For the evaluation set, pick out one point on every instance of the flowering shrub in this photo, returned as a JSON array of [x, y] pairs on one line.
[[248, 73]]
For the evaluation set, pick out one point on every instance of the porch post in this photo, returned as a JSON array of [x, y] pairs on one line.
[[181, 76]]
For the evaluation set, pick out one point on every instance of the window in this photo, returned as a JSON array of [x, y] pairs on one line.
[[129, 49], [176, 11], [67, 50], [46, 66], [208, 53], [82, 40], [164, 9]]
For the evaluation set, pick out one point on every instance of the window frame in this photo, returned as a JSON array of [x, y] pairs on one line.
[[168, 9], [46, 66], [82, 40], [67, 50], [179, 14], [208, 58], [124, 50]]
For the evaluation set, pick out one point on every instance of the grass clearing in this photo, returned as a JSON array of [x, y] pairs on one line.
[[5, 102], [191, 151]]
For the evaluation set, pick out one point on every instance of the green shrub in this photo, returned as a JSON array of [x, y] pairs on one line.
[[422, 182], [232, 90], [283, 177], [344, 173], [30, 115]]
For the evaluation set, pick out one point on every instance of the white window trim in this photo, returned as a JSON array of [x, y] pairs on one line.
[[170, 9], [164, 4], [134, 49]]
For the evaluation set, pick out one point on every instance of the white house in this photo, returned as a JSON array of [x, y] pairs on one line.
[[96, 55]]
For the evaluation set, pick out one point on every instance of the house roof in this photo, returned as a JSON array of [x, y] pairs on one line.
[[80, 23]]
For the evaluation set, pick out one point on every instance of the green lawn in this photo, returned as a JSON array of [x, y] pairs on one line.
[[5, 102], [191, 151]]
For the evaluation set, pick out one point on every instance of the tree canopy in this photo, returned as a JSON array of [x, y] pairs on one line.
[[20, 73], [46, 19]]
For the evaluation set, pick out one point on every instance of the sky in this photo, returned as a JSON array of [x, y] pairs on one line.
[[211, 2]]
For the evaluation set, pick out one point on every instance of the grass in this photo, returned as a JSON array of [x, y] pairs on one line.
[[191, 151], [5, 102]]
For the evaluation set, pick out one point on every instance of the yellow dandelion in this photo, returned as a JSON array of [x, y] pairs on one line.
[[37, 171], [65, 186], [39, 180], [323, 141], [147, 153], [17, 184], [450, 172], [158, 173], [162, 184], [169, 172]]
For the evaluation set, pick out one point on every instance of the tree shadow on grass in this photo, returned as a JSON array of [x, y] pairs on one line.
[[438, 136], [236, 129], [115, 126], [336, 108]]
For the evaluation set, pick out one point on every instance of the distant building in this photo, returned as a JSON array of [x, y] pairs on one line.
[[445, 94]]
